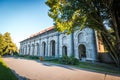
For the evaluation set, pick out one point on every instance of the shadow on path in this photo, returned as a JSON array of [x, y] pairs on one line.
[[59, 65], [50, 64]]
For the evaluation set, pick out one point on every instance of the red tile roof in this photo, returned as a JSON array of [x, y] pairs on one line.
[[43, 31]]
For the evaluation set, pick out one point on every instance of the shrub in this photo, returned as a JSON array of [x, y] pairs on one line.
[[50, 58], [16, 54], [73, 61], [64, 60], [30, 57], [68, 60]]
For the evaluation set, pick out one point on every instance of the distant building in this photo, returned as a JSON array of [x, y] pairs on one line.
[[83, 44]]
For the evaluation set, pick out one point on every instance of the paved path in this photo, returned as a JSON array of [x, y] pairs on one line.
[[34, 70]]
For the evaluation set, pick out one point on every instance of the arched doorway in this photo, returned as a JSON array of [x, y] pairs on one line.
[[28, 49], [44, 48], [38, 49], [33, 49], [64, 50], [23, 50], [52, 45], [82, 52]]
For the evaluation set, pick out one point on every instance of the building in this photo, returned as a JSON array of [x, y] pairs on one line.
[[49, 42]]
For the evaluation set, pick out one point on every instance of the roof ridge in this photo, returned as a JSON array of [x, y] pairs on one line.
[[42, 31]]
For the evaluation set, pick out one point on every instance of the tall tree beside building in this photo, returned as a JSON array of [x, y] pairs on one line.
[[10, 47], [96, 14], [2, 44], [6, 44]]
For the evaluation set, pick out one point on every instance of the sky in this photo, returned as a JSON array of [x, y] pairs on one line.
[[21, 18]]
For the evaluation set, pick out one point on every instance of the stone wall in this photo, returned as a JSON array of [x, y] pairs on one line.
[[53, 43]]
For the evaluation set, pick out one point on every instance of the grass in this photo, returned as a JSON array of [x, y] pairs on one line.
[[27, 57], [5, 72], [98, 67]]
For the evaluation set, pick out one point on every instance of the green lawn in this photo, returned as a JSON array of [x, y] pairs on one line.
[[98, 67], [5, 72], [27, 57]]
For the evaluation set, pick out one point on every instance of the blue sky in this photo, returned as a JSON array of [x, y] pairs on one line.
[[23, 17]]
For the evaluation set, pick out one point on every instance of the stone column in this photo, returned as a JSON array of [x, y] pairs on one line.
[[57, 47], [96, 43], [41, 51], [31, 50], [27, 49], [47, 47], [20, 49], [40, 48], [72, 45], [93, 46], [24, 50]]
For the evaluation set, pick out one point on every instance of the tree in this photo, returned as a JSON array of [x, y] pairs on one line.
[[2, 44], [10, 47], [96, 14]]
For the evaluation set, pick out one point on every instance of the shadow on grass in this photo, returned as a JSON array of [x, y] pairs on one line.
[[19, 77], [87, 66], [5, 72], [8, 74], [75, 67]]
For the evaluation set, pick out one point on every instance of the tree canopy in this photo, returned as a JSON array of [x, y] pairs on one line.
[[2, 44], [100, 15], [6, 44]]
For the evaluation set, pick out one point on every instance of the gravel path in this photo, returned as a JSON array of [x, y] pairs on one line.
[[34, 70]]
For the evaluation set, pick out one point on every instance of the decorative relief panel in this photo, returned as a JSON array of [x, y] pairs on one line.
[[80, 37], [64, 40]]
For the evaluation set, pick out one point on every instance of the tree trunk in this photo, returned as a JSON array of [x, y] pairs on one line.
[[111, 48], [116, 24]]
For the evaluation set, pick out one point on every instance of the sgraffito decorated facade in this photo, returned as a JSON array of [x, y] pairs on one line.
[[49, 42]]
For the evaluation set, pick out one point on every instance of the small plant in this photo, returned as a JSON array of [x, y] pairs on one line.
[[51, 58], [33, 57], [16, 54], [68, 60], [73, 61], [64, 60]]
